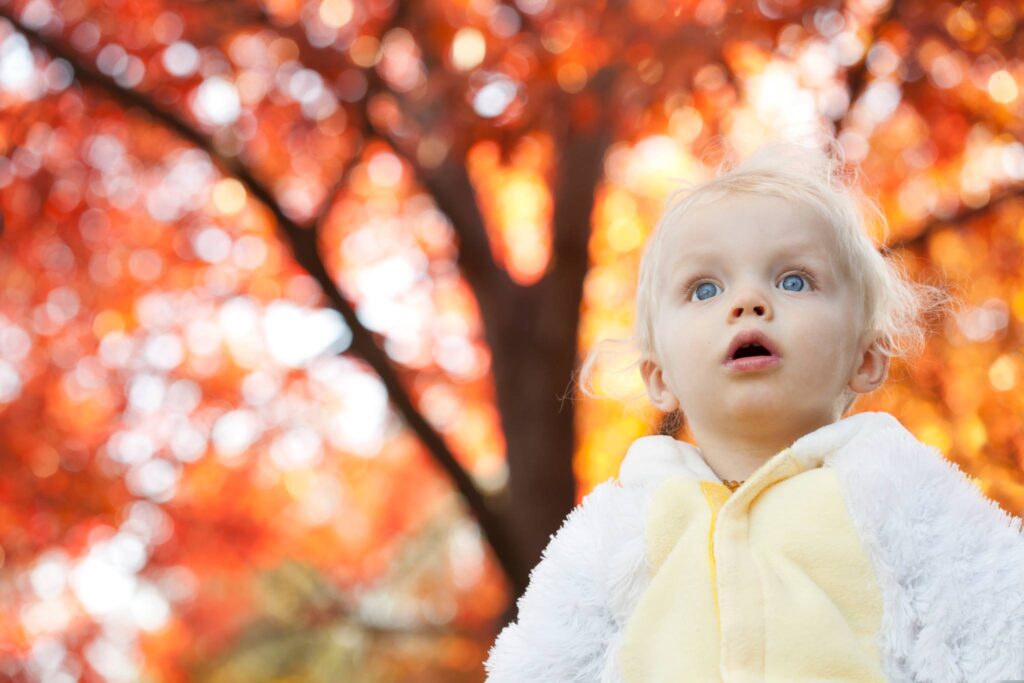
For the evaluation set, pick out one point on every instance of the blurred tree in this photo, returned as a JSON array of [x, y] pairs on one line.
[[467, 184]]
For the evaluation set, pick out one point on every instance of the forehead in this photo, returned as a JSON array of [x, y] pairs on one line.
[[737, 226]]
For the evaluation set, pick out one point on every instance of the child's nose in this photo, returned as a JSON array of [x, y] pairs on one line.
[[752, 301]]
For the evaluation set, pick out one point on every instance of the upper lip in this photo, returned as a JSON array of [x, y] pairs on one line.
[[751, 337]]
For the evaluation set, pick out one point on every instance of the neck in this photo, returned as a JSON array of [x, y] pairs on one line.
[[734, 455]]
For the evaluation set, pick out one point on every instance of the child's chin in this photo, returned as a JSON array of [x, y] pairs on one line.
[[758, 402]]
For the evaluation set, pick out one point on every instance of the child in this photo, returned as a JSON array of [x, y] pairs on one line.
[[797, 543]]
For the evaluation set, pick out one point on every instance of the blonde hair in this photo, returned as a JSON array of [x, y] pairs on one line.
[[893, 303]]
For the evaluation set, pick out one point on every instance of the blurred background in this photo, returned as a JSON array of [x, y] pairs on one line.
[[293, 293]]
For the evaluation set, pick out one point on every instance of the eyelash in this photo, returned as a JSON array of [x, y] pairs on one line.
[[700, 279]]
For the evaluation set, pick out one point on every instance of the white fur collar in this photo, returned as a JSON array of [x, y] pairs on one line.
[[654, 458]]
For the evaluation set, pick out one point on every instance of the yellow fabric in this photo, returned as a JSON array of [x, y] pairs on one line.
[[716, 495], [767, 583]]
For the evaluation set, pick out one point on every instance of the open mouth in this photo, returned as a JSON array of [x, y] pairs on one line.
[[750, 350], [750, 357]]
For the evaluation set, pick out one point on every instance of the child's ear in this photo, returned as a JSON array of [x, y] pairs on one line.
[[872, 371], [657, 388]]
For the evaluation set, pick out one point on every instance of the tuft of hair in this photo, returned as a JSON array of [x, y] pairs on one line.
[[893, 304]]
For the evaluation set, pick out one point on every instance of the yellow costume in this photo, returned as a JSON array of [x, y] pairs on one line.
[[770, 583]]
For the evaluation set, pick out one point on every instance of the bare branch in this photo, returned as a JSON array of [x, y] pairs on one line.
[[448, 183], [324, 60], [305, 250], [960, 219], [856, 82], [581, 168], [452, 190]]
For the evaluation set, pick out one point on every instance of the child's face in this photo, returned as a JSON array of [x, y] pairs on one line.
[[748, 251]]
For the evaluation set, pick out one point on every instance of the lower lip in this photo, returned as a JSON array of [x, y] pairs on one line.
[[752, 363]]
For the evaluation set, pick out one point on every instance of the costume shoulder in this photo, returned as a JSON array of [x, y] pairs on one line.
[[949, 561], [570, 616]]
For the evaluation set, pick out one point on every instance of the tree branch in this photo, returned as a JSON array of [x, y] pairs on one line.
[[586, 139], [857, 81], [322, 60], [453, 192], [448, 184], [305, 250], [963, 217]]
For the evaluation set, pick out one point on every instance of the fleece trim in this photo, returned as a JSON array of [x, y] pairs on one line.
[[950, 562], [590, 576]]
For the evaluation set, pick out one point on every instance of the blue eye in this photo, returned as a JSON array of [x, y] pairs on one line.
[[786, 279], [803, 280], [702, 287]]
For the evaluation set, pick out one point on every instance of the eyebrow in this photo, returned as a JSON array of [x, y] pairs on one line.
[[811, 252], [793, 250]]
